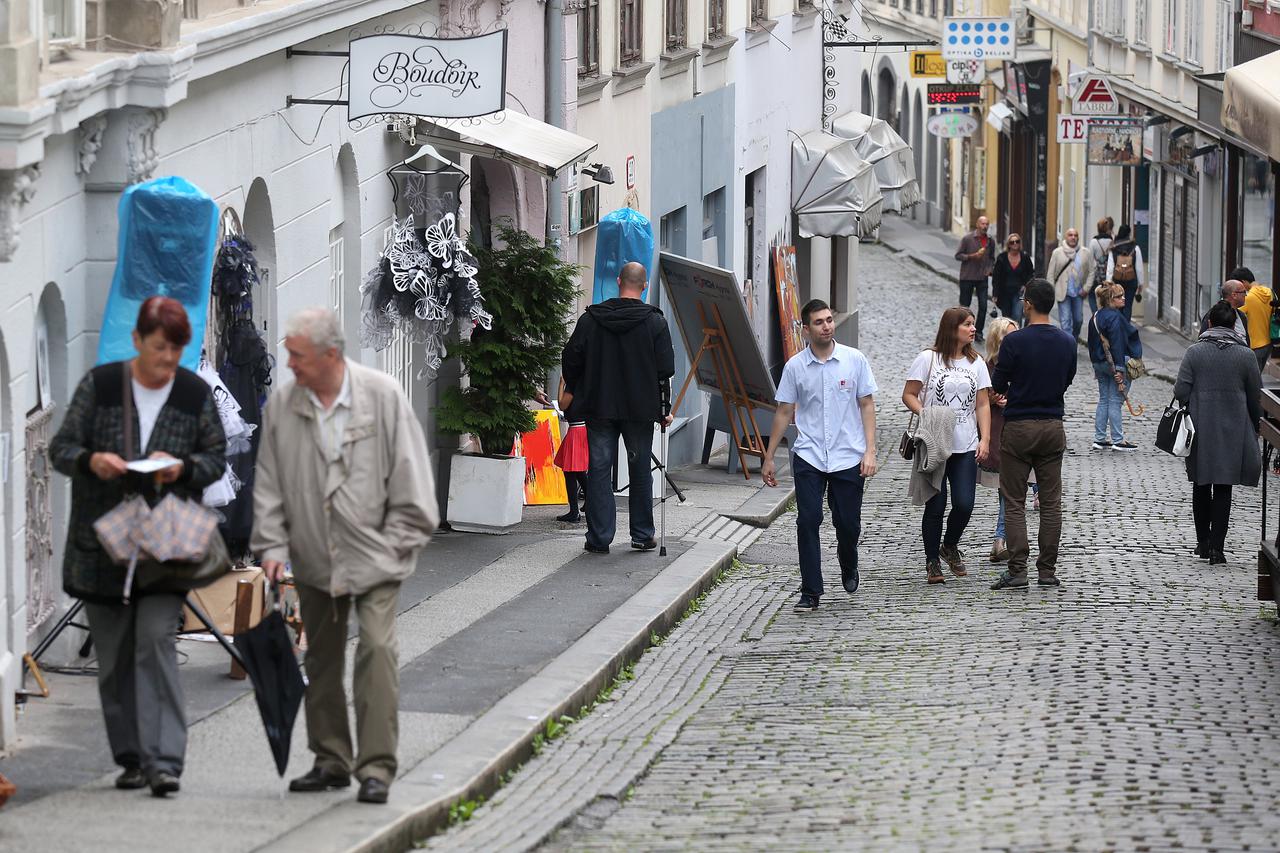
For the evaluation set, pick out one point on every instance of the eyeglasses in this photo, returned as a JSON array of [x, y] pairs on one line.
[[1014, 242]]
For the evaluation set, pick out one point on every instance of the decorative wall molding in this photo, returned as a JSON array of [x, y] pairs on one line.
[[143, 159], [17, 188], [91, 134]]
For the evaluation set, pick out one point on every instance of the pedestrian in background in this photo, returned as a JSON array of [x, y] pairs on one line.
[[951, 373], [175, 416], [620, 359], [1124, 267], [1109, 323], [1233, 292], [1071, 271], [977, 258], [1219, 382], [1100, 248], [1011, 272], [573, 455], [1257, 311], [1037, 365], [989, 465], [344, 495], [828, 388]]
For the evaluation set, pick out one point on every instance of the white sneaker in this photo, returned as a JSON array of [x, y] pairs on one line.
[[1101, 445]]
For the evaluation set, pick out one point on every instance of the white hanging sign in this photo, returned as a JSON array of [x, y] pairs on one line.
[[979, 38], [966, 70], [431, 77], [1073, 130], [952, 125]]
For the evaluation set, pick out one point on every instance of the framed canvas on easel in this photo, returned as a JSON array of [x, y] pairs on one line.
[[724, 355], [786, 284]]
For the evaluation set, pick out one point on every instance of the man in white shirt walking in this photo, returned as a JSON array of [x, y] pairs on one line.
[[829, 389]]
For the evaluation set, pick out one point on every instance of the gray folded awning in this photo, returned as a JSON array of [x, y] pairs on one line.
[[516, 138], [1251, 103], [889, 155], [834, 191]]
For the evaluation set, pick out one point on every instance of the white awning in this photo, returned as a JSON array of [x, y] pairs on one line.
[[888, 153], [999, 116], [1251, 103], [834, 192], [514, 137]]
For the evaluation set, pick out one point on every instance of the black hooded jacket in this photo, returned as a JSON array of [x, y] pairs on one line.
[[617, 358]]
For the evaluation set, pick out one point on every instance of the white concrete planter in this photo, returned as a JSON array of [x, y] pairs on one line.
[[486, 493]]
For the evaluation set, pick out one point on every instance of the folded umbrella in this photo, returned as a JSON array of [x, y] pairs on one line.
[[266, 653]]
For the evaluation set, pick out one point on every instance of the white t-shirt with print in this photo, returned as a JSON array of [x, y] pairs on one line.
[[955, 384]]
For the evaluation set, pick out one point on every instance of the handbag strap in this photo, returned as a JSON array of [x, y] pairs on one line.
[[127, 391], [1106, 345]]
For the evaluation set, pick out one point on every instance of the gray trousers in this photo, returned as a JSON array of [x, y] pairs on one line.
[[138, 681]]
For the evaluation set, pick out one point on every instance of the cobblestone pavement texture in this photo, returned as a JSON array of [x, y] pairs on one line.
[[1129, 710]]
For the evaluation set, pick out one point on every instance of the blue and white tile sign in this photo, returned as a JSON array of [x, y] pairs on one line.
[[979, 38]]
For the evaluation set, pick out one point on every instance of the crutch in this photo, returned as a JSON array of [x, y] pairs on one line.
[[665, 392]]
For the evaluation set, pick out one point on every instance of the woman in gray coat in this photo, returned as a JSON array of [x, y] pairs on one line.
[[1220, 383]]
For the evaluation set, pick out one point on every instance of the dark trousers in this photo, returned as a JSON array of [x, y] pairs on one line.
[[1262, 354], [962, 476], [1130, 291], [970, 286], [1211, 508], [1027, 446], [138, 681], [843, 490], [602, 511]]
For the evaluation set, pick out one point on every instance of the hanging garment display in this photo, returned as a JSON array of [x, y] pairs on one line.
[[422, 283], [623, 236], [168, 231]]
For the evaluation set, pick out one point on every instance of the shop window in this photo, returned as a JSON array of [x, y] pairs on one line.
[[630, 33], [716, 26], [589, 38], [676, 22], [1257, 210]]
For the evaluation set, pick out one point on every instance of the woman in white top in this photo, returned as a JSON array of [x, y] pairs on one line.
[[951, 373]]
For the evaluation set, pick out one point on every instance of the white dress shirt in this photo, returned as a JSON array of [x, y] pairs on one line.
[[331, 422], [826, 395]]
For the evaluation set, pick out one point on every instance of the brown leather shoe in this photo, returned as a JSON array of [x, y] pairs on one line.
[[955, 560], [933, 569]]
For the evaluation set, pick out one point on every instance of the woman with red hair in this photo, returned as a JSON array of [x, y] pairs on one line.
[[173, 416]]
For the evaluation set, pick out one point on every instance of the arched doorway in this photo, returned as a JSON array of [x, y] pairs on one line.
[[259, 227], [868, 108], [904, 114], [917, 148], [345, 267], [885, 88], [46, 494], [13, 642]]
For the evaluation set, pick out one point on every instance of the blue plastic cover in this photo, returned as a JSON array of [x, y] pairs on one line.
[[168, 235], [622, 236]]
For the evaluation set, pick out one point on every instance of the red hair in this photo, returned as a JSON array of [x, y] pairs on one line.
[[166, 315]]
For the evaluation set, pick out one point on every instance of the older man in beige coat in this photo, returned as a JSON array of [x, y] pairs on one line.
[[343, 493]]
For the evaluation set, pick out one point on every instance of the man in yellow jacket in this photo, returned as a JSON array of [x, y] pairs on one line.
[[1257, 311], [344, 493]]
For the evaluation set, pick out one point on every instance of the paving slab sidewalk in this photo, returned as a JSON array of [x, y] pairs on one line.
[[497, 635]]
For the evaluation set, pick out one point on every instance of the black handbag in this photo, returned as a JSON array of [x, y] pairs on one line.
[[907, 444], [1175, 433]]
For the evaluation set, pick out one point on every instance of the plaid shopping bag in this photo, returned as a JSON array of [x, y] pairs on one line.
[[177, 530], [116, 528]]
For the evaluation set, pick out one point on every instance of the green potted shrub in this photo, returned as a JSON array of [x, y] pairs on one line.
[[530, 292]]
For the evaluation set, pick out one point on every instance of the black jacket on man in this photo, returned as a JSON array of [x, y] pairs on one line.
[[619, 354]]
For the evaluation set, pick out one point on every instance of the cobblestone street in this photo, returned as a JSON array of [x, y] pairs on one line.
[[1129, 710]]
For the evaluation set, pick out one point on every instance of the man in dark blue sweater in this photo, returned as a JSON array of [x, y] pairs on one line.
[[1036, 366]]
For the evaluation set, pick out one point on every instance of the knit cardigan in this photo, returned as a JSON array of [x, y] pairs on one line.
[[936, 435]]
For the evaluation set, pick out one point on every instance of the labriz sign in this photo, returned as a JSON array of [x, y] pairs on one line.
[[431, 77]]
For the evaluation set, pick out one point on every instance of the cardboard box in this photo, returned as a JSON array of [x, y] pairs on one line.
[[218, 599]]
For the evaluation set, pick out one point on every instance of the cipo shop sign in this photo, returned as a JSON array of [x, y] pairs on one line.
[[431, 77], [952, 125]]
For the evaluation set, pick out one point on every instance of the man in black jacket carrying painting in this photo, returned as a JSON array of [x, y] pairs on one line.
[[618, 362]]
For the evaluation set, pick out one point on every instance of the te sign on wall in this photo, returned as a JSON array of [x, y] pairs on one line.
[[431, 77], [1073, 130]]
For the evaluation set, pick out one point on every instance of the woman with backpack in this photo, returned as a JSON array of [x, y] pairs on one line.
[[1124, 267], [1100, 248]]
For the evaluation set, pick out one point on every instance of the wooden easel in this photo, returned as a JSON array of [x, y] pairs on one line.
[[742, 421]]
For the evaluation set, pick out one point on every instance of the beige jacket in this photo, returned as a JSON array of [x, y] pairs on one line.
[[1062, 258], [364, 528]]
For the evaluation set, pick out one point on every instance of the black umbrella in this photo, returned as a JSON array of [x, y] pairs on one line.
[[266, 654]]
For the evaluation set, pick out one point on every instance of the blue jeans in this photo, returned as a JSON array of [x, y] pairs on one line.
[[1000, 519], [962, 476], [1071, 315], [1110, 405], [602, 511], [1019, 311], [844, 495]]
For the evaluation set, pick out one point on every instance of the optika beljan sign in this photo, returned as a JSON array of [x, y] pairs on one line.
[[430, 77]]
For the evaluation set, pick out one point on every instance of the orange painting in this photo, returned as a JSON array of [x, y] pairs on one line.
[[543, 481], [784, 273]]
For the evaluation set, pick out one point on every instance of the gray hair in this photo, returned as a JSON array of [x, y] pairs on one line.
[[318, 325]]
